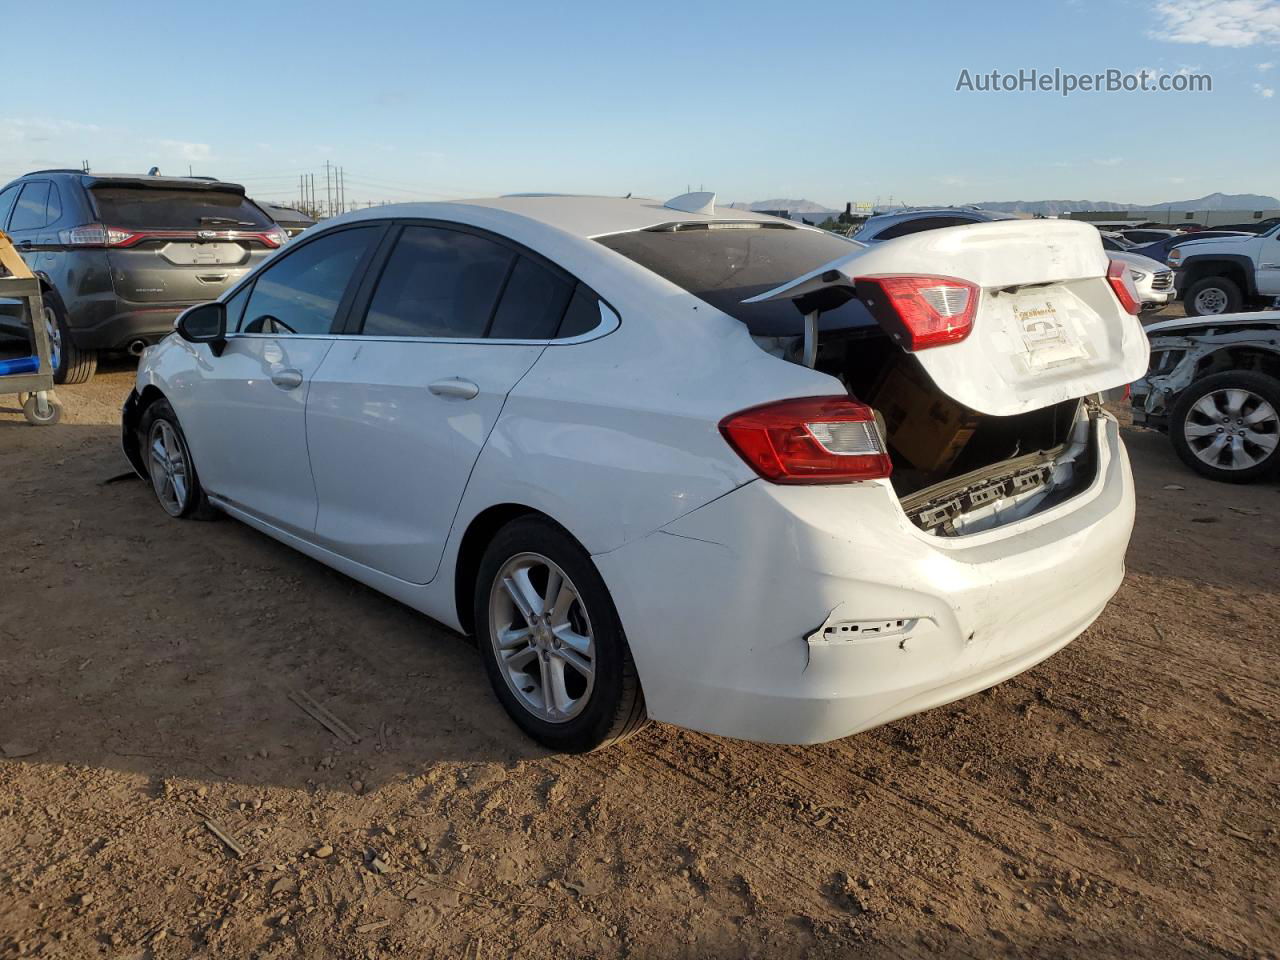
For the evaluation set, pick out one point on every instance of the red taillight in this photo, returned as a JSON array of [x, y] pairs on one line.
[[811, 440], [98, 235], [1122, 286], [921, 312]]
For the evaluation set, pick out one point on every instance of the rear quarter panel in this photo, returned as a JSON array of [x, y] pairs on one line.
[[617, 436]]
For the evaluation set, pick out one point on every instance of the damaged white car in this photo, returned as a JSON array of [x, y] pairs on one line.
[[675, 460], [1214, 387]]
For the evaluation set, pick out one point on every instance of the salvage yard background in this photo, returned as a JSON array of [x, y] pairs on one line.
[[1118, 800]]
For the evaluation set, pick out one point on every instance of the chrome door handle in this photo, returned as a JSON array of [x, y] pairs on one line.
[[287, 378], [454, 387]]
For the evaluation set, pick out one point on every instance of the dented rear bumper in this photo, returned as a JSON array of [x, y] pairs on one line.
[[829, 612]]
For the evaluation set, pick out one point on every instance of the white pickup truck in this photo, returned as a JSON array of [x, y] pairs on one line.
[[1228, 274]]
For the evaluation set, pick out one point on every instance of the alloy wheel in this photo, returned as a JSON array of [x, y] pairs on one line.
[[542, 637], [1232, 429], [54, 333], [169, 467]]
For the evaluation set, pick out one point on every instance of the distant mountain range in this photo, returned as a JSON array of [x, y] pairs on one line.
[[816, 212], [1214, 201]]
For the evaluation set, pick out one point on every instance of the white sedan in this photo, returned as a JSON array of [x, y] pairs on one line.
[[674, 461]]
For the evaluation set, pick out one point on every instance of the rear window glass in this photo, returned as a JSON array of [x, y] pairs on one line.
[[144, 208], [726, 266]]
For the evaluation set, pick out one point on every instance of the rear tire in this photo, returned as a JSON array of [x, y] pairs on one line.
[[1212, 296], [70, 363], [563, 669], [1220, 442], [170, 468]]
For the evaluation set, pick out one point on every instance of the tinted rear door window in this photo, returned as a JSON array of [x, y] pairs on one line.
[[146, 208], [53, 208], [725, 267], [301, 292], [29, 214], [7, 199], [532, 303], [583, 314], [438, 283]]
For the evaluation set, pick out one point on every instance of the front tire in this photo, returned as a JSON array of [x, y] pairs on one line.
[[551, 641], [1227, 426], [172, 471], [1212, 296], [70, 363]]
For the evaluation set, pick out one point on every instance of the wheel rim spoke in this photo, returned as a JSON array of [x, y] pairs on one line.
[[1235, 401], [571, 657], [1264, 413], [1206, 407], [574, 641], [520, 659], [1198, 430], [1267, 441], [560, 698], [512, 637]]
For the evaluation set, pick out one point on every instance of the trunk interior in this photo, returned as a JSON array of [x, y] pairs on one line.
[[955, 470]]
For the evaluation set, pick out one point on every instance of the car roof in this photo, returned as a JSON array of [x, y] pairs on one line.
[[581, 216]]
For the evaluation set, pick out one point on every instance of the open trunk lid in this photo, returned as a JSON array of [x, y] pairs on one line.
[[1046, 326]]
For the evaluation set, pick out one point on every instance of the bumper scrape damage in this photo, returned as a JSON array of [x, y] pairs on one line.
[[818, 613]]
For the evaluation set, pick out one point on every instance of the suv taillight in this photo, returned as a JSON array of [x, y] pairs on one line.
[[810, 440], [921, 312], [97, 235], [1122, 285]]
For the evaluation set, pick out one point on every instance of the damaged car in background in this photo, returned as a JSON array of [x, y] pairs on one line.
[[1214, 388], [674, 460]]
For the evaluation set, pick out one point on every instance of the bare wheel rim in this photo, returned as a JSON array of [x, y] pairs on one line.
[[1211, 300], [1232, 429], [169, 467], [54, 333], [542, 637]]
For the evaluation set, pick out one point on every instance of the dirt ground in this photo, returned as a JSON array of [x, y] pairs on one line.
[[1117, 801]]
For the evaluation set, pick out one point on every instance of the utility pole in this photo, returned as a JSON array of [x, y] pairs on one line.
[[328, 189]]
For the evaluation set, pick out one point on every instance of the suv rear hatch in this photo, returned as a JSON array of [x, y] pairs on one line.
[[979, 348], [177, 242]]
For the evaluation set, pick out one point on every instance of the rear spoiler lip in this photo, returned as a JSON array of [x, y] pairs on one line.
[[176, 183], [928, 254]]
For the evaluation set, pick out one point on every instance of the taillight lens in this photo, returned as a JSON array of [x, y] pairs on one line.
[[97, 235], [274, 238], [921, 312], [811, 440], [1122, 286]]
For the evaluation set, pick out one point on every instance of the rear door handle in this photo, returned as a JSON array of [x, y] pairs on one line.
[[287, 379], [454, 387], [25, 244]]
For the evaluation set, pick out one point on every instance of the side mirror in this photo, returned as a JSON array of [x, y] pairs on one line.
[[205, 323]]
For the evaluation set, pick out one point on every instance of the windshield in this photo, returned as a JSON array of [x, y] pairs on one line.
[[726, 264], [146, 208]]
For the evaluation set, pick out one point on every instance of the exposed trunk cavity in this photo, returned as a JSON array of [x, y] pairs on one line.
[[957, 471]]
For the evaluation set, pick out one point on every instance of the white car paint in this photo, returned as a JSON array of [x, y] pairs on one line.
[[1000, 369], [1144, 271], [724, 583]]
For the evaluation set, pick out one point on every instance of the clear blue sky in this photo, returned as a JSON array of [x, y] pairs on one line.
[[830, 101]]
